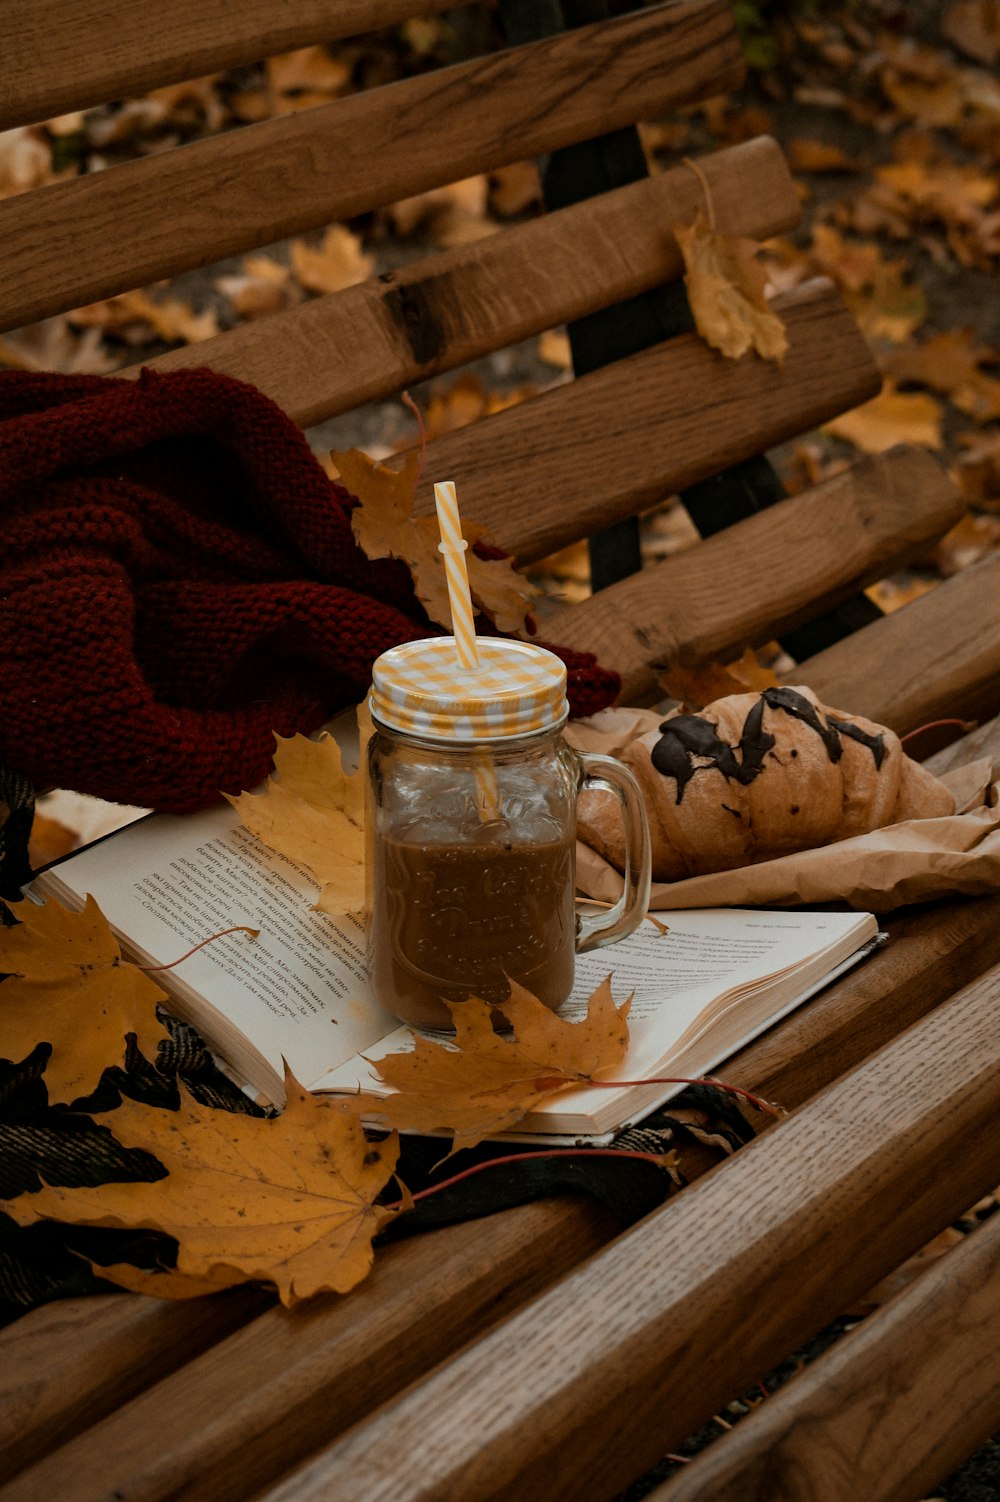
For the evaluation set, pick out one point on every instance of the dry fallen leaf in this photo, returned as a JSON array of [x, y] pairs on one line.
[[312, 811], [338, 262], [49, 840], [133, 314], [699, 686], [288, 1200], [53, 345], [264, 286], [946, 362], [554, 349], [725, 284], [821, 156], [889, 418], [974, 27], [385, 527], [69, 986], [487, 1081], [25, 160]]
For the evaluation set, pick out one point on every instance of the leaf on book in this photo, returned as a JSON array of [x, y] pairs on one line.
[[725, 284], [385, 527], [288, 1200], [69, 986], [312, 811], [486, 1081]]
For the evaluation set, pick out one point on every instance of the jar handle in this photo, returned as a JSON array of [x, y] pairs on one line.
[[630, 909]]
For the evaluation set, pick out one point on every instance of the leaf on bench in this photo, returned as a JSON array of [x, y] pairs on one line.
[[725, 285], [385, 527]]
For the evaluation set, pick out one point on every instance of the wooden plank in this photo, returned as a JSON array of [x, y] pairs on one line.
[[71, 54], [369, 341], [781, 567], [256, 1404], [939, 655], [586, 454], [885, 1414], [65, 1365], [931, 953], [585, 1387], [72, 242]]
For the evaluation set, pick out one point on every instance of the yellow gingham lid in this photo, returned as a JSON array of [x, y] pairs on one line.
[[420, 688]]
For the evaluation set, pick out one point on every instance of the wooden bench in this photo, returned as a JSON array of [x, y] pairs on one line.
[[543, 1351]]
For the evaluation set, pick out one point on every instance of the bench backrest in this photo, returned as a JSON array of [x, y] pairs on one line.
[[658, 415]]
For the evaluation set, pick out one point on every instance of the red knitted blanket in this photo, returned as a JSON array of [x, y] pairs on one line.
[[178, 581]]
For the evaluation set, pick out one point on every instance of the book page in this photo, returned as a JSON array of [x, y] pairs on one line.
[[300, 990], [705, 953], [674, 977]]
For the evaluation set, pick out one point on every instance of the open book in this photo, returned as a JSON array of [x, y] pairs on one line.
[[300, 991]]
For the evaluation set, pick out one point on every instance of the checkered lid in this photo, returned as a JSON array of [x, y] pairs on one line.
[[420, 688]]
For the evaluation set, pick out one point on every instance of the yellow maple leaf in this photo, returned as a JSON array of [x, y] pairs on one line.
[[67, 984], [702, 685], [288, 1200], [385, 527], [725, 285], [889, 418], [484, 1082], [337, 262], [313, 812]]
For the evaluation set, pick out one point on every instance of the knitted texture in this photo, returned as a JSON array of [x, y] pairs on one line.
[[178, 582]]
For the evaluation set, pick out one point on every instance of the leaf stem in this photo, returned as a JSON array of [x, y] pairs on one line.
[[238, 928], [558, 1152], [408, 401], [963, 725]]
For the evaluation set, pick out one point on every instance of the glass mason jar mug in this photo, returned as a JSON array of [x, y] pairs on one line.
[[472, 830]]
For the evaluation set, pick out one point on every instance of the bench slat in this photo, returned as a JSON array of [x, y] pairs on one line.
[[646, 1340], [258, 1403], [937, 656], [368, 341], [884, 1414], [67, 1364], [199, 203], [781, 567], [625, 437], [67, 55]]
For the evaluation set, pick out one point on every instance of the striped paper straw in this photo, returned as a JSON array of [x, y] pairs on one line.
[[453, 546]]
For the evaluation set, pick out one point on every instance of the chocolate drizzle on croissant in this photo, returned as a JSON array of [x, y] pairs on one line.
[[686, 736]]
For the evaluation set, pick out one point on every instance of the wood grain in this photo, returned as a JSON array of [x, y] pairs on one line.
[[938, 655], [887, 1412], [71, 54], [73, 242], [782, 567], [259, 1402], [65, 1365], [611, 443], [369, 341], [591, 1382]]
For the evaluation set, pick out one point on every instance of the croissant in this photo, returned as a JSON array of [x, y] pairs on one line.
[[755, 776]]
